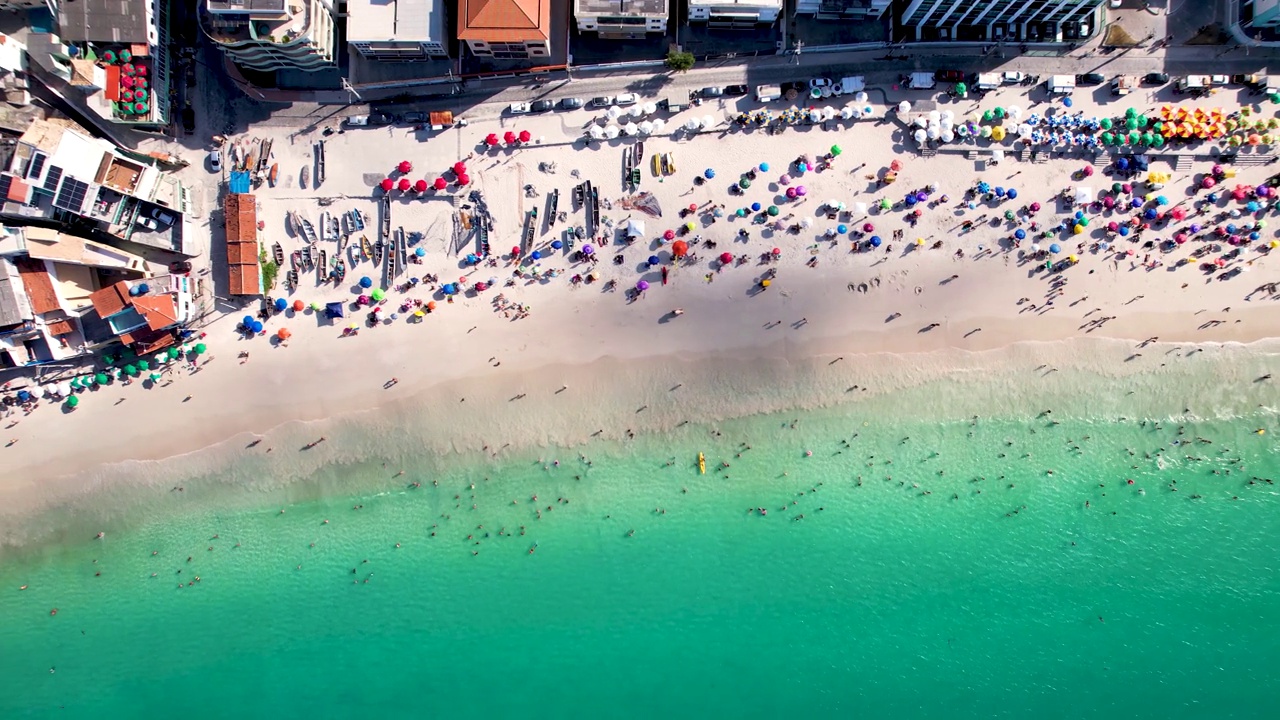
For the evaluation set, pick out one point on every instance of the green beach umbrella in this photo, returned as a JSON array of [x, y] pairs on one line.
[[101, 378], [75, 383], [155, 377], [835, 150], [378, 294], [73, 401], [1148, 139], [1105, 124], [1130, 113], [1134, 137], [1116, 187], [740, 212], [130, 370], [109, 359], [961, 88], [999, 113], [201, 348], [744, 183], [884, 204], [1083, 221], [1108, 138], [773, 211], [172, 353], [1157, 141], [1131, 123], [1142, 121], [987, 116], [1274, 97], [317, 306], [144, 365]]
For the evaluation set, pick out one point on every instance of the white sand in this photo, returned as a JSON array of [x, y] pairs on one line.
[[614, 355]]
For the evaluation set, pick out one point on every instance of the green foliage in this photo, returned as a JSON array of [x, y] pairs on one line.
[[679, 61], [269, 271]]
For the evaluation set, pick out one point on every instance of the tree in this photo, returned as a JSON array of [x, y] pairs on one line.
[[679, 61]]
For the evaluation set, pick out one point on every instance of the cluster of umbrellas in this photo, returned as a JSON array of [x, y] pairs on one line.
[[984, 188], [509, 138], [404, 184], [630, 129], [702, 124], [635, 112]]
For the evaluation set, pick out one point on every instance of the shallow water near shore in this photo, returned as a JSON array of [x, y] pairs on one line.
[[937, 570]]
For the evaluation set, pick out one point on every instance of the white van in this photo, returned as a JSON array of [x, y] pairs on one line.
[[358, 120], [768, 93]]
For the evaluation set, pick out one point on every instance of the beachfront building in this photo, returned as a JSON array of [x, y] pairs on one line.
[[60, 177], [997, 20], [735, 14], [843, 9], [1266, 13], [401, 30], [622, 19], [13, 71], [144, 314], [50, 5], [244, 276], [47, 280], [128, 41], [506, 29], [269, 35]]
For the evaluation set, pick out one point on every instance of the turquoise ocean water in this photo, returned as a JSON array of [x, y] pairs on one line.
[[939, 570]]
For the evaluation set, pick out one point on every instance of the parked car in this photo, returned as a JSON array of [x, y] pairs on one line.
[[541, 106], [1156, 78], [381, 119], [357, 121], [737, 90], [519, 108], [819, 82], [571, 103], [414, 118], [1013, 78], [603, 101], [188, 120], [148, 223], [167, 218], [710, 92], [178, 267], [1092, 78], [951, 76], [215, 160], [627, 99]]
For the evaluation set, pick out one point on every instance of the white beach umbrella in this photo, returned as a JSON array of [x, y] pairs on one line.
[[611, 131], [935, 117], [947, 136], [807, 222], [846, 112], [920, 121], [860, 97], [630, 128], [1035, 247], [949, 116], [692, 124], [826, 91], [1024, 130], [921, 136], [635, 111], [614, 112], [975, 117], [932, 133], [904, 107], [596, 132], [828, 112], [659, 124], [650, 108], [1015, 112], [708, 122], [946, 124], [815, 116], [646, 127]]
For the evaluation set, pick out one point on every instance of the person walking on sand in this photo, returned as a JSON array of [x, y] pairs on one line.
[[390, 383]]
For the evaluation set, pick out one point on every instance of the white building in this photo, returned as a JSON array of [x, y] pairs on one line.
[[60, 175], [843, 9], [729, 14], [397, 29], [1035, 20], [269, 35], [622, 19]]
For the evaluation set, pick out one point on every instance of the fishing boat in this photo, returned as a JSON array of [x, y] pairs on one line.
[[322, 268], [392, 265], [295, 260], [304, 177], [251, 162], [277, 254], [657, 164], [335, 231], [402, 248], [359, 218], [324, 226], [339, 271], [377, 252], [308, 231], [291, 280], [275, 172], [307, 258], [702, 464], [366, 250]]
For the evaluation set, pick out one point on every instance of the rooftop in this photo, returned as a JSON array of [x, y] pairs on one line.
[[374, 20], [241, 214], [11, 309], [621, 7], [104, 21], [245, 6], [39, 287], [504, 20], [274, 22], [111, 300]]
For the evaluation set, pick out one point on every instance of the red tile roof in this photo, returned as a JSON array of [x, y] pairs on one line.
[[61, 327], [241, 215], [160, 311], [504, 20], [244, 280], [18, 191], [111, 299], [35, 278]]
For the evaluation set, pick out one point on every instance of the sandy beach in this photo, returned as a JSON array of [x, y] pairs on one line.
[[896, 317]]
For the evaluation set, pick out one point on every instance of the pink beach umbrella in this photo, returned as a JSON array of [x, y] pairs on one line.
[[405, 166], [440, 183], [420, 186], [404, 184], [868, 227], [1178, 214], [525, 136], [387, 184], [801, 191], [785, 179], [791, 193], [669, 235]]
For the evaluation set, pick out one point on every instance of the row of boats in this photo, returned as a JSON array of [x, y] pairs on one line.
[[341, 229]]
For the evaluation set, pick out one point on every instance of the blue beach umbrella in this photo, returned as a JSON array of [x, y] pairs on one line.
[[1253, 206], [1135, 203], [999, 191], [365, 282], [247, 321], [1254, 236], [449, 288], [1020, 233], [1231, 228], [708, 173], [536, 255], [1124, 231], [911, 200], [257, 327], [653, 260], [1011, 194], [755, 207], [764, 167], [1162, 200], [1067, 102], [281, 304], [557, 244], [1149, 213], [1055, 248], [420, 252], [983, 187], [842, 229], [876, 241]]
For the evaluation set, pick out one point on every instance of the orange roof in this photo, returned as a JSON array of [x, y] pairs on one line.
[[244, 279], [160, 311], [505, 20], [18, 191], [39, 287], [61, 327], [242, 253], [112, 90], [242, 218], [111, 299]]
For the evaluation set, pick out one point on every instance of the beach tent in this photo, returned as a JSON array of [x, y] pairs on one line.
[[1083, 194], [635, 229], [333, 310]]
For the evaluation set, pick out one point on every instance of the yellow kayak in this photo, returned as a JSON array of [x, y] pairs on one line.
[[671, 163], [702, 464], [657, 165]]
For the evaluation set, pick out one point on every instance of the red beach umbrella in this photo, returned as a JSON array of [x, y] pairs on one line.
[[515, 251], [679, 248], [421, 186], [298, 306], [525, 136], [1178, 214], [464, 179], [460, 168], [726, 258], [387, 184], [509, 137], [490, 140], [669, 235], [440, 183], [404, 184], [405, 166]]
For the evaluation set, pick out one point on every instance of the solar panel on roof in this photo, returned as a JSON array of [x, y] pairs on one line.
[[37, 164], [51, 181], [71, 195], [5, 182]]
